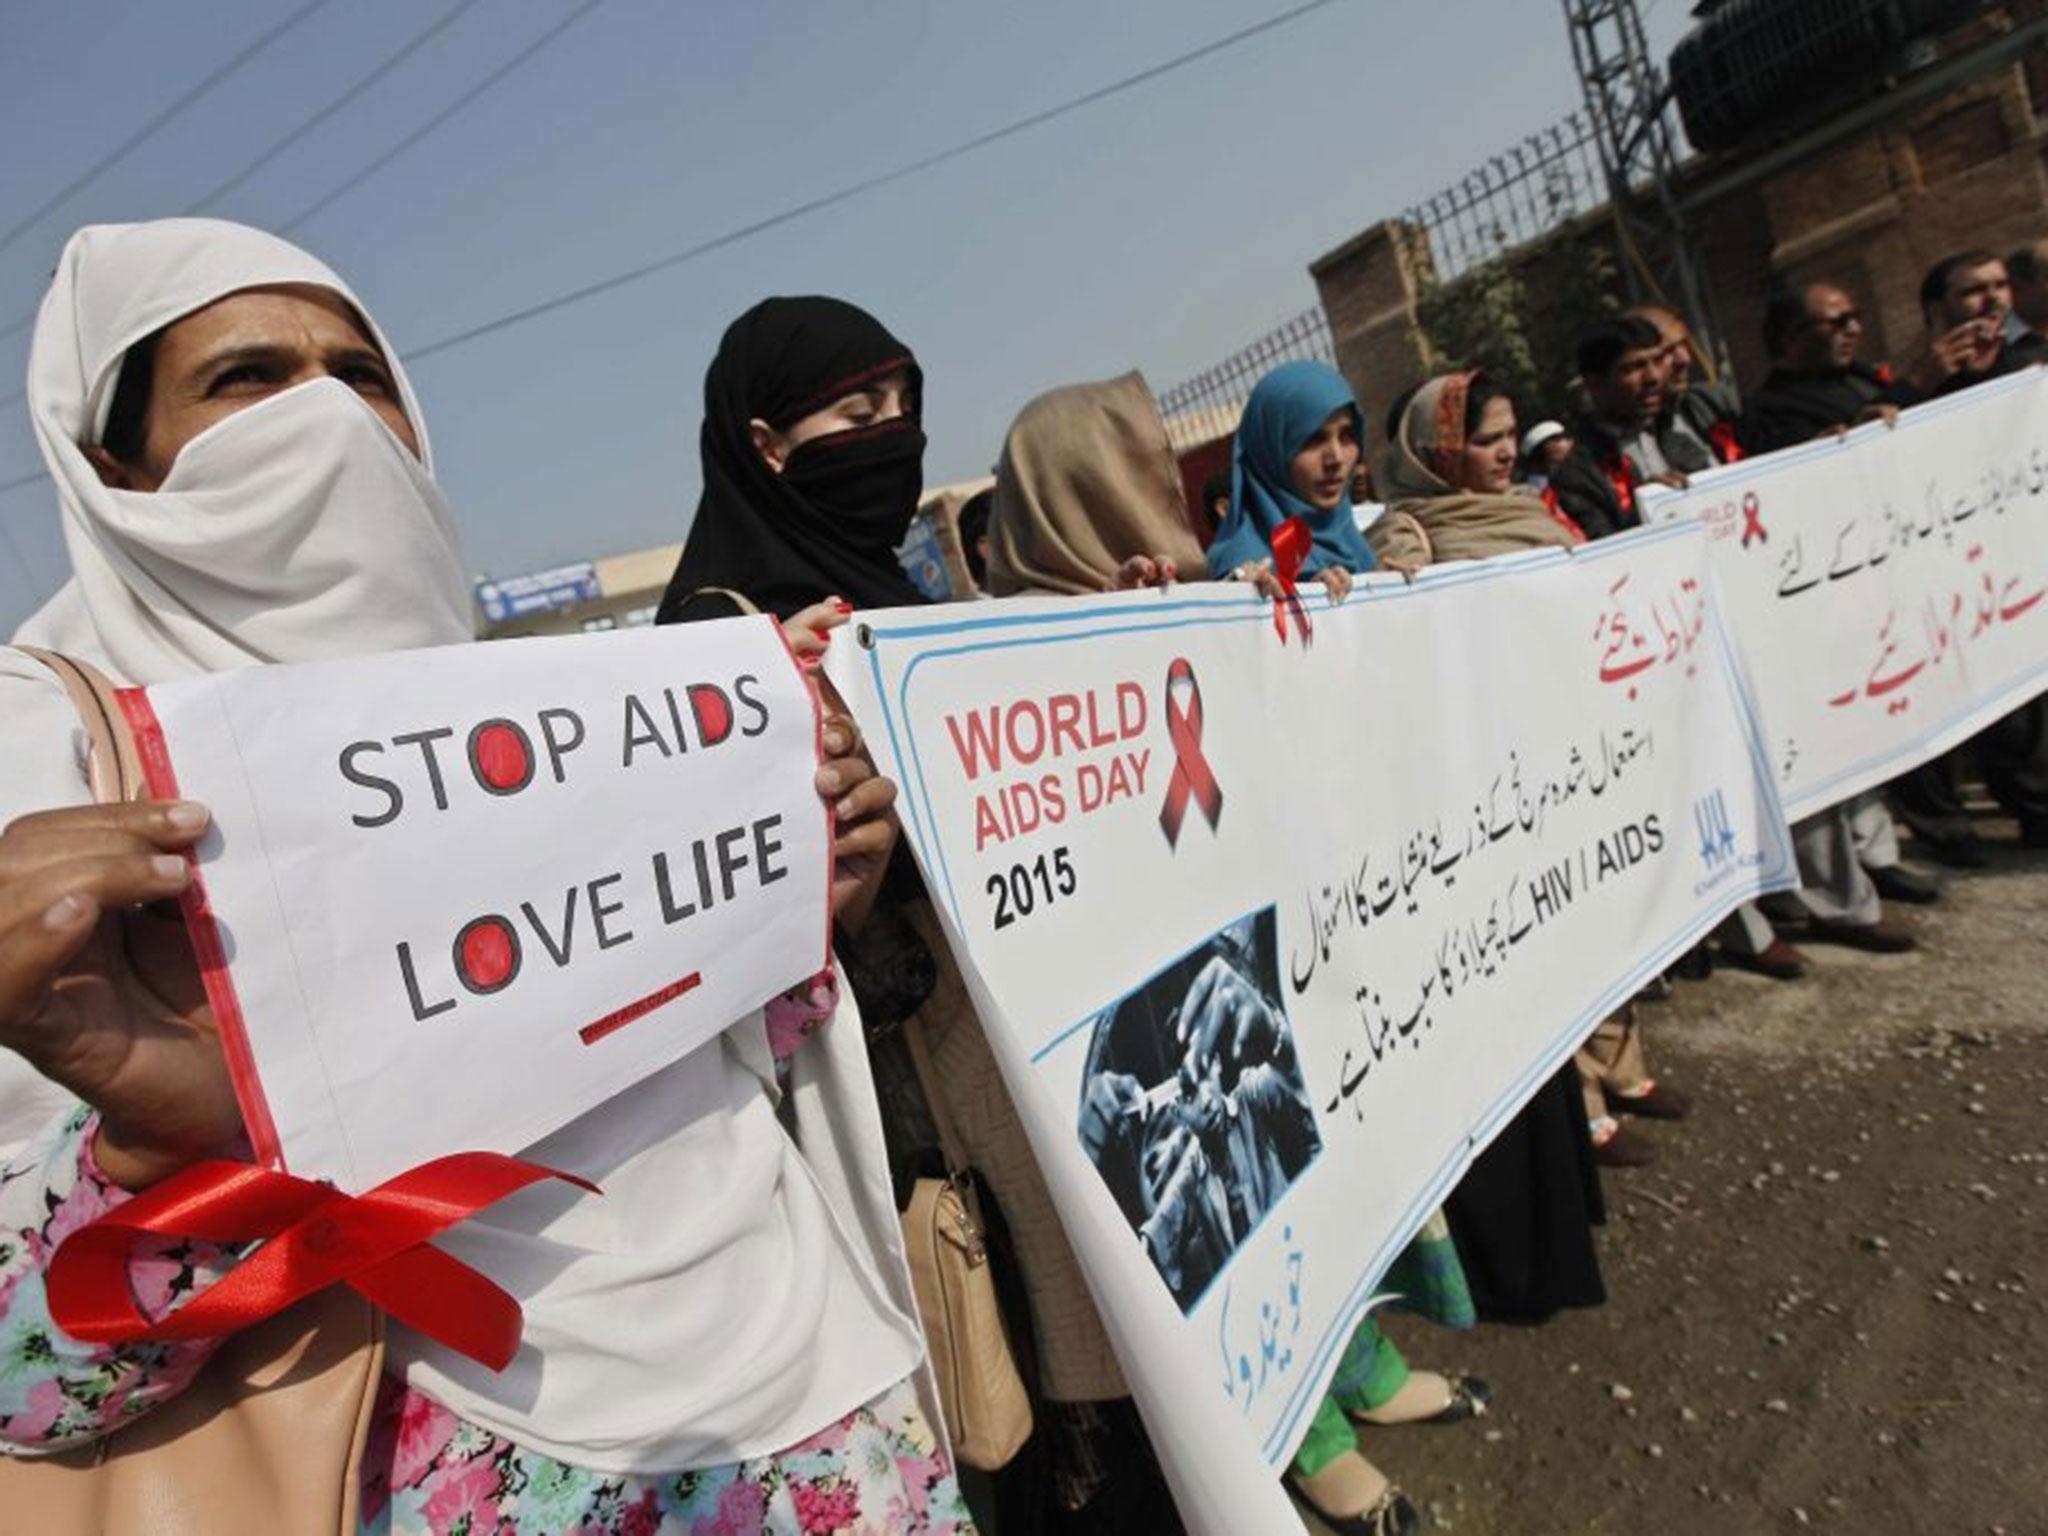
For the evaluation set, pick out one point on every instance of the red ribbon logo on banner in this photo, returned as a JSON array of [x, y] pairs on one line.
[[1192, 776], [314, 1235], [1291, 542], [1753, 521]]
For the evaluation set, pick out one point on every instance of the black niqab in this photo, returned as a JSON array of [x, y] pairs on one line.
[[829, 525]]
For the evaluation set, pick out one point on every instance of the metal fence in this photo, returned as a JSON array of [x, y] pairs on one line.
[[1519, 195], [1206, 407]]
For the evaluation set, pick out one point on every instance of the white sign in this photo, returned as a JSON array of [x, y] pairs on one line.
[[455, 898], [1271, 939], [1886, 588]]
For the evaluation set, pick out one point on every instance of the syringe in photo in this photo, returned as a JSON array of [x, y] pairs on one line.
[[1193, 1107]]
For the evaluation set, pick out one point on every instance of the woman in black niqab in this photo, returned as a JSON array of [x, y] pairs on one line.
[[827, 523]]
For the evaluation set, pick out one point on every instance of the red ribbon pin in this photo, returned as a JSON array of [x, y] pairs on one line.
[[1291, 542], [1621, 474], [1727, 448], [314, 1235], [1192, 776]]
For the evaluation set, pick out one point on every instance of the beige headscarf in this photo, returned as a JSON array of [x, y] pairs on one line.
[[1429, 520], [1087, 480]]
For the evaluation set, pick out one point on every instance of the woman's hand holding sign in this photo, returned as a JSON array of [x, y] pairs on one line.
[[862, 800], [107, 1001]]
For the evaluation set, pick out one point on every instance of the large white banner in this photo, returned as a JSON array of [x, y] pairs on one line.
[[1885, 587], [1271, 939], [453, 899]]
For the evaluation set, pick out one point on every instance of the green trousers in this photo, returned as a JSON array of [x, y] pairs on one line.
[[1370, 1373]]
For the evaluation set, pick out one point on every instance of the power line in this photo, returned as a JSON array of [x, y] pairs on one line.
[[358, 177], [813, 205], [453, 107], [406, 51], [63, 194], [856, 189]]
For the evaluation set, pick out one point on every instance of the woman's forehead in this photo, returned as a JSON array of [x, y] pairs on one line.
[[281, 314]]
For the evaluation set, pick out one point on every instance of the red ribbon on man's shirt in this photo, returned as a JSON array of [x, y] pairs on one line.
[[1291, 542], [1726, 448], [1621, 474], [1559, 516], [312, 1236]]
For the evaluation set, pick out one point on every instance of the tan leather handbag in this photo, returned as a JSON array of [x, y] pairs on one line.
[[269, 1437], [988, 1412]]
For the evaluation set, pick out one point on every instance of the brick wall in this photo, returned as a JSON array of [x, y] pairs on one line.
[[1369, 287], [1871, 213]]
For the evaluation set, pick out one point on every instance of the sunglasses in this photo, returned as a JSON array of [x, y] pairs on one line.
[[1841, 322]]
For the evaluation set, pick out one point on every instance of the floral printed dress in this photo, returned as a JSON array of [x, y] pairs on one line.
[[425, 1471]]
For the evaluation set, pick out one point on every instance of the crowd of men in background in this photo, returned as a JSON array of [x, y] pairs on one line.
[[1649, 419]]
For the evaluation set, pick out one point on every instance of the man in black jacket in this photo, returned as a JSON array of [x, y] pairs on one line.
[[1626, 371], [1966, 299], [1816, 384]]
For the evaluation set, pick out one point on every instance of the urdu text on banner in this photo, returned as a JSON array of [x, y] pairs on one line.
[[453, 899], [1271, 938], [1885, 587]]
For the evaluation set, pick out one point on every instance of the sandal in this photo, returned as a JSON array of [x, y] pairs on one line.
[[1470, 1396]]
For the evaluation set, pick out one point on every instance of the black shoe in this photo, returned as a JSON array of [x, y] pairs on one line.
[[1957, 852], [1895, 882], [1696, 964], [1392, 1516], [1469, 1398]]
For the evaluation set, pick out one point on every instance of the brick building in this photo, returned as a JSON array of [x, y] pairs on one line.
[[1951, 157]]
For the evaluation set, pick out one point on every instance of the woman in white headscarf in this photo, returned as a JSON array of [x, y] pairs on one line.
[[718, 1342]]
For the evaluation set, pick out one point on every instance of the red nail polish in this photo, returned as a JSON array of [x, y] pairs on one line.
[[842, 605]]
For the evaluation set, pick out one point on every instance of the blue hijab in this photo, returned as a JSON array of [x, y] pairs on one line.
[[1286, 409]]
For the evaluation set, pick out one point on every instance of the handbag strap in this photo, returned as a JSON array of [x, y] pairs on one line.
[[112, 765], [739, 600], [957, 1165]]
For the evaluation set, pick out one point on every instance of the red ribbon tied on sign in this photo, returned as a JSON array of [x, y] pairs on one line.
[[1193, 779], [1291, 542], [313, 1236]]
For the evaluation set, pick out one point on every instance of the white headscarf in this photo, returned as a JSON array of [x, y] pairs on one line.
[[714, 1303], [246, 554]]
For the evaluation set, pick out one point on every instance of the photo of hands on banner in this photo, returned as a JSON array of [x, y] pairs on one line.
[[1193, 1110]]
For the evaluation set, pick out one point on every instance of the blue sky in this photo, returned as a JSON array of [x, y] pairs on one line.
[[1159, 229]]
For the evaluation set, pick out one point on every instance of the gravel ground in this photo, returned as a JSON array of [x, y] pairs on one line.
[[1829, 1297]]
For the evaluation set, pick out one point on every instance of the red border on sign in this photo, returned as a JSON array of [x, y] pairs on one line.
[[814, 687], [204, 932]]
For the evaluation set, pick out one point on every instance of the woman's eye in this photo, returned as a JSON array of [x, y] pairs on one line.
[[241, 375], [362, 376]]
